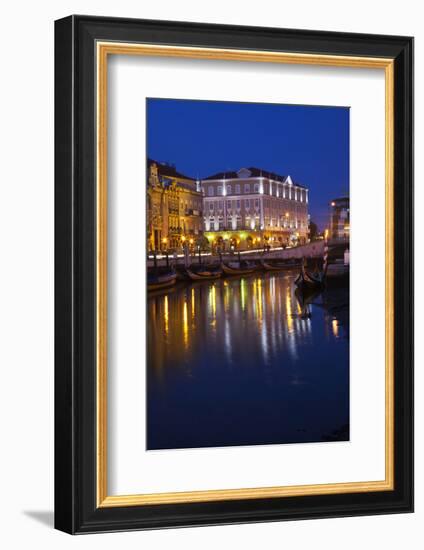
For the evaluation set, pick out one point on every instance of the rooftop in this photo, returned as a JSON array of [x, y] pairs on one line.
[[168, 170], [251, 172]]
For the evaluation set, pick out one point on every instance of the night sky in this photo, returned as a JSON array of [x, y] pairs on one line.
[[309, 143]]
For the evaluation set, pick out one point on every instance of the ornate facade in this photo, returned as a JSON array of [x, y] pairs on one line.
[[174, 208]]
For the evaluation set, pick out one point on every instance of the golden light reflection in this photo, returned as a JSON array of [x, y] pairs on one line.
[[185, 323], [192, 303], [212, 301], [289, 310], [259, 300], [226, 297], [243, 293], [262, 309], [335, 327], [254, 298], [166, 314]]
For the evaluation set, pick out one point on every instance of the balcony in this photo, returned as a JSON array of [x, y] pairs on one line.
[[192, 212]]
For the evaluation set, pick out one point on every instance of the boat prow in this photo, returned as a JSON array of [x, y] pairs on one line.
[[307, 280]]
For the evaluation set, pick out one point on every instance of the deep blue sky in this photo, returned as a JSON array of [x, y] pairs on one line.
[[203, 137]]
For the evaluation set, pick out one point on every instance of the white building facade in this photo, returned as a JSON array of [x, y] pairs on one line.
[[255, 206]]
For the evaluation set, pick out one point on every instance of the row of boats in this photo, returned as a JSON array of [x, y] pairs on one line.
[[163, 277]]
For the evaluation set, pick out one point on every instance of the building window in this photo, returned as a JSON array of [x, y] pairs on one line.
[[256, 188], [238, 204], [210, 191], [229, 204], [237, 189], [220, 205], [219, 189], [247, 187], [257, 203], [211, 206], [228, 189], [247, 203]]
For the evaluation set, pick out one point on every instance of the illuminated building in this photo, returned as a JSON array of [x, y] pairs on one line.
[[252, 208], [174, 207], [339, 218]]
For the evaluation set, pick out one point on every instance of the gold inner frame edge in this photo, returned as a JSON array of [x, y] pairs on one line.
[[103, 49]]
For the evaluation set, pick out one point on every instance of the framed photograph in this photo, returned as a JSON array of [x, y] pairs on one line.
[[234, 274]]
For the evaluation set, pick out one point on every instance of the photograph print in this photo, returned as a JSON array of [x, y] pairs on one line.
[[247, 240]]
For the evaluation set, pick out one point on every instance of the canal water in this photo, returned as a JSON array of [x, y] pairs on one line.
[[246, 361]]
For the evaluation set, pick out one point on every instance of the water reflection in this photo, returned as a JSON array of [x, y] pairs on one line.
[[241, 361]]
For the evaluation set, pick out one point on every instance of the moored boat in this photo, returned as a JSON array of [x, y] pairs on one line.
[[158, 281], [237, 268], [310, 281], [203, 273]]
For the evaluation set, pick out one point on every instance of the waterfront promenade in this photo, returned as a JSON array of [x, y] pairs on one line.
[[313, 249]]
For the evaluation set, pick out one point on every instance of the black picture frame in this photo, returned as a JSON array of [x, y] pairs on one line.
[[76, 510]]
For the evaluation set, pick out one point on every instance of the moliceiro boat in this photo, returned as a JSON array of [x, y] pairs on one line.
[[331, 274], [203, 272], [310, 281], [237, 268], [161, 279]]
